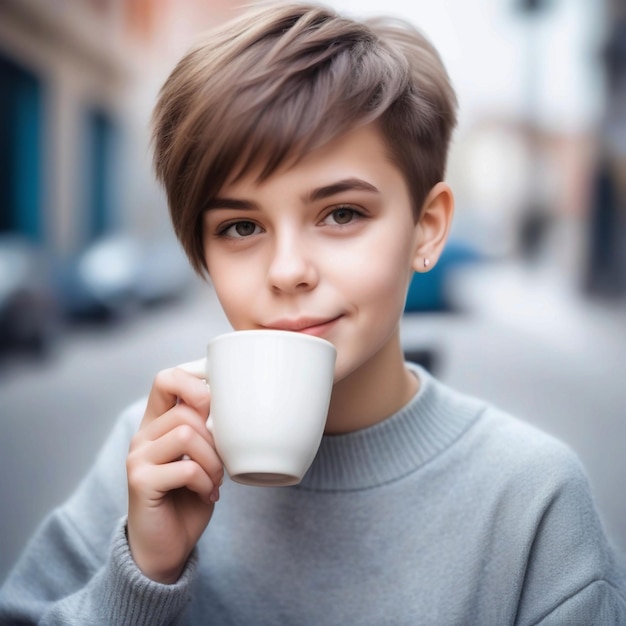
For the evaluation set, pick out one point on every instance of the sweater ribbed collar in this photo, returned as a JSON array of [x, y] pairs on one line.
[[434, 418]]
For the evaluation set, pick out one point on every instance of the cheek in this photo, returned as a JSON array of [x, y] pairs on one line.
[[380, 272], [233, 289]]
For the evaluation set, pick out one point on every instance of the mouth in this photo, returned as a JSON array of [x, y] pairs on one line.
[[307, 326]]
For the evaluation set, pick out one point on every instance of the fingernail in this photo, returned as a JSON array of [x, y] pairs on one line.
[[215, 495]]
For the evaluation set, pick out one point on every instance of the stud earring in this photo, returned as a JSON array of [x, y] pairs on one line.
[[426, 261]]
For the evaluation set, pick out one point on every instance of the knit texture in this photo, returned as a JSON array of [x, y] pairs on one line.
[[448, 512]]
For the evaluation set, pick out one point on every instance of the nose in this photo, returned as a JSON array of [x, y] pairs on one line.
[[292, 267]]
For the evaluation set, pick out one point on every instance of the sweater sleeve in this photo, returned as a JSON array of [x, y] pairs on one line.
[[599, 603], [77, 569], [572, 575]]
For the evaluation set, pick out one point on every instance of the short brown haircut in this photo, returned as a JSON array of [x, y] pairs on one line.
[[283, 79]]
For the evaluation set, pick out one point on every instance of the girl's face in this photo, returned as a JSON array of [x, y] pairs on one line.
[[324, 247]]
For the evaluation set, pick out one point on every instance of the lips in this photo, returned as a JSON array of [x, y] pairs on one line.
[[308, 325]]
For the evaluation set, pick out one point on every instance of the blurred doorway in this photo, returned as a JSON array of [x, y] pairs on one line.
[[20, 150]]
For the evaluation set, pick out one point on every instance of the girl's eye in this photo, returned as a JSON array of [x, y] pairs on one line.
[[239, 230], [342, 215]]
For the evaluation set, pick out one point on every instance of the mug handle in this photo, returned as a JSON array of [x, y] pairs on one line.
[[198, 369]]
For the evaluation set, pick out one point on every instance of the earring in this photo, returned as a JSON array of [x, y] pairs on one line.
[[426, 261]]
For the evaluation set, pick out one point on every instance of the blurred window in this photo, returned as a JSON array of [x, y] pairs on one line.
[[101, 181], [20, 150]]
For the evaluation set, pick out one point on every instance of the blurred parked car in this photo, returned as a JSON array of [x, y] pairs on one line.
[[28, 307], [118, 274], [432, 292]]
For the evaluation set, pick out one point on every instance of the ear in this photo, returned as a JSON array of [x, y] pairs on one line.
[[431, 231]]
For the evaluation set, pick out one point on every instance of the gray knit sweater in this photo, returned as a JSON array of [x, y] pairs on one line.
[[448, 512]]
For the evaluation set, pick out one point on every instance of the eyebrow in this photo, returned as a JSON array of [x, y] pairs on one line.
[[319, 193], [348, 184]]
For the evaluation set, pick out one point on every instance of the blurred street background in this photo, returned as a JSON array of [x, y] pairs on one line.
[[527, 307]]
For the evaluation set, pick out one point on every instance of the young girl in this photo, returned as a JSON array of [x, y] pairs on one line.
[[303, 155]]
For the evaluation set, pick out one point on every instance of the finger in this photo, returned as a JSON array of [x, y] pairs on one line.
[[181, 414], [159, 480], [173, 384], [184, 441]]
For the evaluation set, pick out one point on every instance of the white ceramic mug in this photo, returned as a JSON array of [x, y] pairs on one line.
[[270, 391]]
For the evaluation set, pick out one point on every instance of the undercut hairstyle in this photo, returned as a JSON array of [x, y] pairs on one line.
[[278, 81]]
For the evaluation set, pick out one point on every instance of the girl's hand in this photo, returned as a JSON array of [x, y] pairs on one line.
[[174, 474]]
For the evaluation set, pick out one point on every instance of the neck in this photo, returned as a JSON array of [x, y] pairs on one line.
[[373, 392]]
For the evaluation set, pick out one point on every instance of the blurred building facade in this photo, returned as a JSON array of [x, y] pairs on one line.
[[78, 80], [606, 271], [64, 78]]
